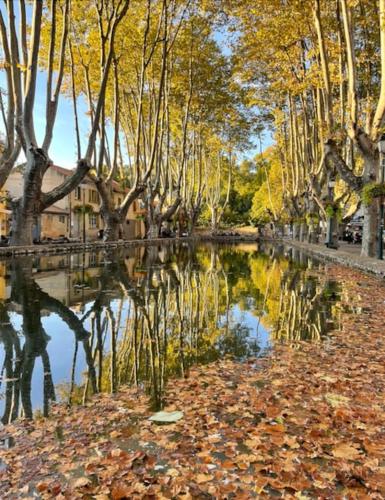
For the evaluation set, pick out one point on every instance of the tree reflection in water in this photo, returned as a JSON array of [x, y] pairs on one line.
[[142, 316], [30, 300]]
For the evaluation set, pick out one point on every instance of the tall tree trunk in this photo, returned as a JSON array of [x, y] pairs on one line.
[[296, 231], [34, 201], [27, 208], [312, 236], [113, 223], [303, 232], [22, 225], [214, 220], [369, 232], [153, 230]]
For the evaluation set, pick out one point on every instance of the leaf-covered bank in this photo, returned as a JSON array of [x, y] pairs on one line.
[[307, 422]]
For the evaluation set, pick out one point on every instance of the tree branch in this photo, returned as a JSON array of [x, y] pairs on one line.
[[28, 126], [380, 111], [332, 154], [103, 86], [52, 101], [67, 186]]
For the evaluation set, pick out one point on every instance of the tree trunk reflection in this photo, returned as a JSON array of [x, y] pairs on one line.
[[143, 316]]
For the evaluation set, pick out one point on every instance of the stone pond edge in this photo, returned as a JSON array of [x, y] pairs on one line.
[[69, 248], [366, 264]]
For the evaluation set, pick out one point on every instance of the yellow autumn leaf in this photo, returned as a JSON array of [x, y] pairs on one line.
[[204, 478], [81, 482], [336, 400], [346, 451]]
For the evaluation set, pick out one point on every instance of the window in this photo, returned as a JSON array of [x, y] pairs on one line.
[[62, 219], [93, 196], [78, 193], [93, 220], [92, 259]]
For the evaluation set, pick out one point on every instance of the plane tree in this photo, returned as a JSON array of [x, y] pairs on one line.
[[46, 50]]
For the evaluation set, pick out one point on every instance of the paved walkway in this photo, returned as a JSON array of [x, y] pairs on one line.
[[349, 247], [347, 255]]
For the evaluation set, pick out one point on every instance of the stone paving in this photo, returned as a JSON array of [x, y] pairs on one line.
[[347, 254]]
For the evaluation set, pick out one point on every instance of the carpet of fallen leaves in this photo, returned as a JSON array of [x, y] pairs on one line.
[[307, 422]]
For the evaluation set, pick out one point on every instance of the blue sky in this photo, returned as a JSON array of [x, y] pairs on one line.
[[63, 147]]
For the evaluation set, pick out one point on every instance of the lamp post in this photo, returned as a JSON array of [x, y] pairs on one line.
[[84, 215], [331, 218], [380, 242]]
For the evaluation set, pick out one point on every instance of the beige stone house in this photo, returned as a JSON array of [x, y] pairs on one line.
[[4, 215], [77, 215], [54, 222]]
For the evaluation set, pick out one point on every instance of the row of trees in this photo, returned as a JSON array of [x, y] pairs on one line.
[[165, 112], [316, 68]]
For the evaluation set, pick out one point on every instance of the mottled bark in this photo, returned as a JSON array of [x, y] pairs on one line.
[[312, 235], [303, 231], [371, 212], [369, 232], [333, 155], [296, 231], [153, 230], [112, 226], [28, 208], [114, 216]]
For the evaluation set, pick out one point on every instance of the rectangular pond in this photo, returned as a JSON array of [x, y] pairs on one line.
[[74, 325]]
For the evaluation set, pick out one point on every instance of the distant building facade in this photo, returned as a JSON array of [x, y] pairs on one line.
[[5, 214], [77, 215]]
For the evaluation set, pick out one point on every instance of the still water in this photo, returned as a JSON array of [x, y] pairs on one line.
[[71, 326]]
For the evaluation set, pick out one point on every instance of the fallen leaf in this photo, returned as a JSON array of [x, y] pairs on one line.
[[336, 400], [204, 478], [81, 482], [166, 416], [346, 451]]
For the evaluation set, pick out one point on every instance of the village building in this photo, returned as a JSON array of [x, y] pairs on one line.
[[76, 216], [4, 215]]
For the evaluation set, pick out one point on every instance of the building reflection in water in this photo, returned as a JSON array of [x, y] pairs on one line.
[[71, 326]]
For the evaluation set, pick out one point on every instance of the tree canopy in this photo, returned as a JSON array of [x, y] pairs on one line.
[[177, 90]]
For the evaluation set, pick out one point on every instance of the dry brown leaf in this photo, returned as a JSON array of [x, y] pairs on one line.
[[346, 451], [80, 482], [204, 478]]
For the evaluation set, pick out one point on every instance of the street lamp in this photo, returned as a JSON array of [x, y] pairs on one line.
[[380, 242], [330, 243]]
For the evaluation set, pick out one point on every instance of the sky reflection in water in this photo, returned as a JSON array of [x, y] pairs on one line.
[[71, 326]]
